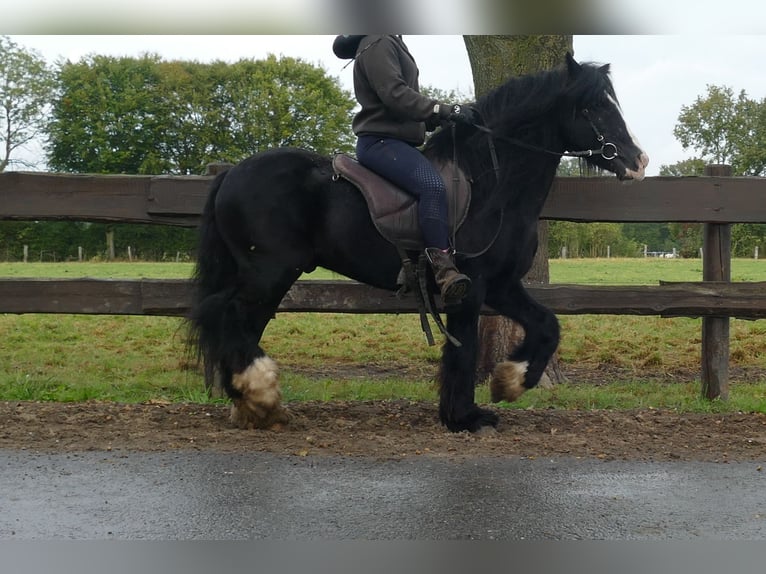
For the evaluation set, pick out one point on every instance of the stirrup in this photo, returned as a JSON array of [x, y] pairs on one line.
[[428, 300], [416, 277]]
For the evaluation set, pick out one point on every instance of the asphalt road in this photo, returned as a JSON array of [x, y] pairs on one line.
[[185, 496]]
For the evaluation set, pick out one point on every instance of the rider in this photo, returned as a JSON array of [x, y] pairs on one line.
[[390, 125]]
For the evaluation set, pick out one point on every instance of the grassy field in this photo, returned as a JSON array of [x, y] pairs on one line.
[[134, 359], [613, 271]]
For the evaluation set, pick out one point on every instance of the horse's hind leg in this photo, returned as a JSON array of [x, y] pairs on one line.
[[525, 366], [248, 374], [257, 397]]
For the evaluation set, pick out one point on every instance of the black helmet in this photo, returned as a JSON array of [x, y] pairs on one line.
[[344, 46]]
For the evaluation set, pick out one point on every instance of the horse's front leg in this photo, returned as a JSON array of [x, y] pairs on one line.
[[458, 410], [526, 364]]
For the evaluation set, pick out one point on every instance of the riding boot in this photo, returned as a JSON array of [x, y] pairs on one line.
[[452, 284]]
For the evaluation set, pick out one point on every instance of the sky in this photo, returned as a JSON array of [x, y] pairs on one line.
[[654, 75]]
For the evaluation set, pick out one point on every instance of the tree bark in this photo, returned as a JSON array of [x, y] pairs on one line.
[[493, 60]]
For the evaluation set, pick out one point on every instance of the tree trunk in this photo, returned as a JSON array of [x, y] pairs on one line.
[[493, 60]]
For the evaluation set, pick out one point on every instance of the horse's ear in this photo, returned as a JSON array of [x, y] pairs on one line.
[[572, 66], [604, 69]]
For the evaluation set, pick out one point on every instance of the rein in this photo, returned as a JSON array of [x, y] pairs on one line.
[[608, 150]]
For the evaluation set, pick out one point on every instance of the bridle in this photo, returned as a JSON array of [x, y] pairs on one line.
[[608, 150], [599, 138]]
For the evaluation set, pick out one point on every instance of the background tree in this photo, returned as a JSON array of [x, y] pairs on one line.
[[710, 124], [239, 109], [570, 167], [448, 96], [726, 129], [590, 240], [723, 129], [656, 236], [110, 117], [149, 116], [493, 60], [693, 166], [751, 139], [26, 87]]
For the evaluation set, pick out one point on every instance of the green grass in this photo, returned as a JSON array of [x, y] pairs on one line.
[[75, 358], [118, 270], [645, 271], [636, 394], [615, 271], [99, 270], [137, 359]]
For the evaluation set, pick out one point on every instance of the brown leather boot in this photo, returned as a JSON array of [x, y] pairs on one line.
[[453, 285]]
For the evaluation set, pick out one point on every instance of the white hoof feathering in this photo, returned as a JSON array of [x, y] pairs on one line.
[[507, 382], [260, 405]]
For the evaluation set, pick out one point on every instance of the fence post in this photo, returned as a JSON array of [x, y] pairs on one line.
[[716, 266]]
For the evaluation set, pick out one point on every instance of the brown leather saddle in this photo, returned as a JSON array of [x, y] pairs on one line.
[[394, 211]]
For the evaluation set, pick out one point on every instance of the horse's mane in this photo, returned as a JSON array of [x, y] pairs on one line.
[[520, 109], [523, 99]]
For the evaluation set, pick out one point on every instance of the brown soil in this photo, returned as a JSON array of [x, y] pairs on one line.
[[384, 430]]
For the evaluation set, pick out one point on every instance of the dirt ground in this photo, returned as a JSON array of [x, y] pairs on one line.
[[385, 430]]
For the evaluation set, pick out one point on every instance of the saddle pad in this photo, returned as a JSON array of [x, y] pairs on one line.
[[394, 211]]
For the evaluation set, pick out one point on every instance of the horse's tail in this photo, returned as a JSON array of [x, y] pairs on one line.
[[213, 282]]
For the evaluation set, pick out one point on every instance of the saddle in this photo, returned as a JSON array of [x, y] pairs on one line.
[[395, 215], [394, 211]]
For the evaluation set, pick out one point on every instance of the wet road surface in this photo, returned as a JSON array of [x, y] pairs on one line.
[[182, 496]]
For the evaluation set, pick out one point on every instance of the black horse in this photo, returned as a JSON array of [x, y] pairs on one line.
[[281, 213]]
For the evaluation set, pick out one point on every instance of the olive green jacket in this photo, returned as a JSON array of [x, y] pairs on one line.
[[387, 89]]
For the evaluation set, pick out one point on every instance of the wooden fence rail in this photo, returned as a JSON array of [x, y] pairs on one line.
[[172, 297], [178, 200], [716, 199]]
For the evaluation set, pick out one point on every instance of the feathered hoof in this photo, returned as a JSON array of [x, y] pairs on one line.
[[507, 383], [247, 416], [260, 406], [476, 420]]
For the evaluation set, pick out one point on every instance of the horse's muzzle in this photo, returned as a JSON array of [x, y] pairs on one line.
[[635, 174]]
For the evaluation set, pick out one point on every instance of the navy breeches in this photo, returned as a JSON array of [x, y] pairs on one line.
[[405, 166]]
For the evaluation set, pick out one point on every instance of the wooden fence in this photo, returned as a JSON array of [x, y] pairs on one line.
[[717, 200]]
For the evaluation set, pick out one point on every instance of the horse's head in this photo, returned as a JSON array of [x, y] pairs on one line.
[[593, 121]]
